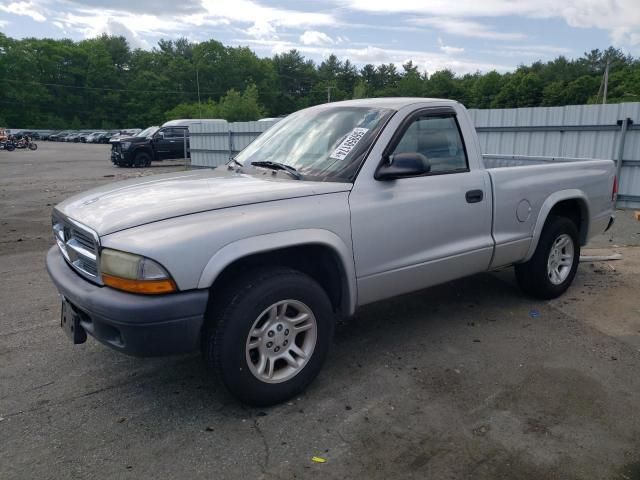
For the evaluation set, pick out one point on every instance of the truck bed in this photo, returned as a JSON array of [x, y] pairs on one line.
[[521, 185]]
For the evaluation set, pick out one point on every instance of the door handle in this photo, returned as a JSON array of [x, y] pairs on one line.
[[474, 196]]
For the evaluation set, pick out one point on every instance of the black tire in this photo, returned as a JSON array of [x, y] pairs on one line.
[[9, 147], [229, 323], [142, 159], [533, 276], [33, 146]]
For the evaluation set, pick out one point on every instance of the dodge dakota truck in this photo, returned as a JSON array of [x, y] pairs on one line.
[[336, 206]]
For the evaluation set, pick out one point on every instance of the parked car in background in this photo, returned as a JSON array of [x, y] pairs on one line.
[[45, 134], [93, 137], [80, 135], [105, 137], [33, 134], [153, 144], [55, 136], [335, 207], [69, 136], [63, 136], [89, 137]]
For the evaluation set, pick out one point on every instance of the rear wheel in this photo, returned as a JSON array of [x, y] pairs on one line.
[[549, 273], [269, 336]]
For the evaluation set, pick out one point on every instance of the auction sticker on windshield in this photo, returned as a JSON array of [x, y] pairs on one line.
[[348, 144]]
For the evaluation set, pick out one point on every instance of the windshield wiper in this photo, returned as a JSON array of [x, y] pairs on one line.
[[279, 166]]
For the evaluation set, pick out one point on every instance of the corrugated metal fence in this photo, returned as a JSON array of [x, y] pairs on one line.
[[579, 131], [213, 144]]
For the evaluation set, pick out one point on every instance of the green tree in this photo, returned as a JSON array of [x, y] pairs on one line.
[[411, 83], [486, 88], [236, 107], [102, 83]]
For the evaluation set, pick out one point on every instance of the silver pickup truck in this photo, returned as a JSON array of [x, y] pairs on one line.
[[334, 207]]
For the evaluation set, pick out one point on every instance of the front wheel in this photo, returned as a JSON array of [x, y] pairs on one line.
[[269, 336], [142, 159], [33, 146], [549, 273]]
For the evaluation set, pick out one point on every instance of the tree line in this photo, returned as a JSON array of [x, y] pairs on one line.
[[103, 83]]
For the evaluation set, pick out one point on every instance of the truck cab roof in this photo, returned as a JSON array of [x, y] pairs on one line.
[[394, 103], [185, 122]]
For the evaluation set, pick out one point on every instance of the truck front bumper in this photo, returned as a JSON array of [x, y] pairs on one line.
[[138, 325], [120, 158]]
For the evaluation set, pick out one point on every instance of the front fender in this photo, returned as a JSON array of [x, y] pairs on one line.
[[274, 241], [549, 203]]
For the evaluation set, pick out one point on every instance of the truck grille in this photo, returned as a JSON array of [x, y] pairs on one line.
[[79, 246], [116, 147]]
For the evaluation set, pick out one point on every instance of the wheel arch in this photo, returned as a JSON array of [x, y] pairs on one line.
[[142, 149], [572, 204], [319, 253]]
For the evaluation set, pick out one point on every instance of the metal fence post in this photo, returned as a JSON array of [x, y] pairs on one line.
[[620, 153], [184, 144], [230, 143]]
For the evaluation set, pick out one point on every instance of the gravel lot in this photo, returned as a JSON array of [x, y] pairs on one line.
[[465, 380]]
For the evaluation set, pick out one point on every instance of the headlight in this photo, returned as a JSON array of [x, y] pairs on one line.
[[134, 273], [126, 145]]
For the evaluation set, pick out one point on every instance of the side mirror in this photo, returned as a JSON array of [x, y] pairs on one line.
[[403, 165]]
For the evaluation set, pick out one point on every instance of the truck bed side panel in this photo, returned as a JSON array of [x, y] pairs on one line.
[[523, 196]]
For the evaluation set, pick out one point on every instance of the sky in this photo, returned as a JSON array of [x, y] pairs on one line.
[[462, 35]]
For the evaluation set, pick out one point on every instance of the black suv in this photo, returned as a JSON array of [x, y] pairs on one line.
[[153, 143]]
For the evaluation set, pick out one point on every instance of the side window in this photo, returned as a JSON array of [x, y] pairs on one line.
[[173, 132], [438, 138]]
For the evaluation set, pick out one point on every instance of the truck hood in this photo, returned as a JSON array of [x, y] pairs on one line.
[[128, 138], [122, 205]]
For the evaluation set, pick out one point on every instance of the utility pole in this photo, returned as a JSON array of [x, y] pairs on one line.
[[198, 85], [606, 83], [329, 94]]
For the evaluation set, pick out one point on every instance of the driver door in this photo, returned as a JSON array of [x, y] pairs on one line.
[[414, 232]]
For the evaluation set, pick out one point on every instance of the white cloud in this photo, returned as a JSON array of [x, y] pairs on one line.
[[524, 50], [466, 28], [248, 11], [91, 23], [621, 18], [4, 23], [313, 37], [93, 17], [262, 29], [448, 49], [427, 61], [27, 9], [116, 28]]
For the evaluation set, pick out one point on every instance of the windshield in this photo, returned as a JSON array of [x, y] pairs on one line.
[[324, 142], [148, 132]]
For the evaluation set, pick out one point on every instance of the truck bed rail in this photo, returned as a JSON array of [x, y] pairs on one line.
[[500, 161]]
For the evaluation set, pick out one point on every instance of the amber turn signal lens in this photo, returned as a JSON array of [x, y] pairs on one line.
[[146, 287]]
